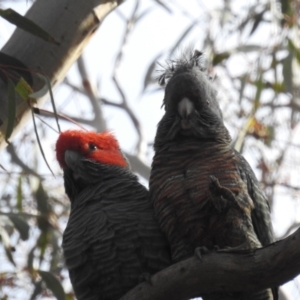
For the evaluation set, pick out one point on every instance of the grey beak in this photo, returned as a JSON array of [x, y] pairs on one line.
[[185, 108]]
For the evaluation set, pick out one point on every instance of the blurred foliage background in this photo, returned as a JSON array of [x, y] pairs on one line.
[[252, 50]]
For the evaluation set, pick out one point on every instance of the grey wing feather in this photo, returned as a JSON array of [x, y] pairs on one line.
[[109, 242], [261, 216]]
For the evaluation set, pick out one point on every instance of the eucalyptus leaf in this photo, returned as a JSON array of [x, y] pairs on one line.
[[24, 23], [39, 142], [37, 290], [40, 93], [7, 246], [11, 114], [53, 284], [47, 87], [20, 194], [23, 88], [21, 225]]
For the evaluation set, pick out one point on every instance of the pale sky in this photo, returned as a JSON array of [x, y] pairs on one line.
[[153, 36]]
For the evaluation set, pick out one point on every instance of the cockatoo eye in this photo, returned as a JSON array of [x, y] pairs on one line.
[[92, 147]]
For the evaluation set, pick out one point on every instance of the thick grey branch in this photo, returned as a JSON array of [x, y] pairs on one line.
[[224, 271], [72, 24]]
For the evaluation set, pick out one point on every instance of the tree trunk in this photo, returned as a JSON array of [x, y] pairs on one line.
[[72, 24]]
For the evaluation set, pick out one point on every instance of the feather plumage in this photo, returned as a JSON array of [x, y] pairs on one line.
[[192, 145], [112, 237]]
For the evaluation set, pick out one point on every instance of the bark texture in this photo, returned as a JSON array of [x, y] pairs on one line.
[[72, 24], [225, 271]]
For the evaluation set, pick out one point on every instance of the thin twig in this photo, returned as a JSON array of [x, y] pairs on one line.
[[16, 159], [289, 230], [98, 122], [124, 103]]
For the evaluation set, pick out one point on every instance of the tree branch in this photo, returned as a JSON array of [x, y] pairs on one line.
[[17, 160], [141, 146], [290, 229], [72, 24], [98, 121], [224, 271]]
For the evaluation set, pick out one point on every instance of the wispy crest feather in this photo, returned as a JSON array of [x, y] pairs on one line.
[[187, 59]]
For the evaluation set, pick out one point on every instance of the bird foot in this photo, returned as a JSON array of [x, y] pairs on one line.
[[199, 251], [221, 195], [243, 247]]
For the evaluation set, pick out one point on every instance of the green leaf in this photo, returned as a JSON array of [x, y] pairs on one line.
[[247, 48], [243, 80], [9, 255], [30, 258], [42, 243], [39, 142], [21, 225], [53, 284], [37, 290], [6, 243], [260, 85], [48, 84], [220, 57], [257, 19], [3, 167], [19, 195], [40, 93], [42, 220], [278, 87], [14, 69], [11, 114], [270, 136], [42, 199], [23, 88], [287, 72], [295, 50], [24, 23]]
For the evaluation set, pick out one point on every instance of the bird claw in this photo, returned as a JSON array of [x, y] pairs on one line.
[[242, 247], [220, 194], [199, 251]]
